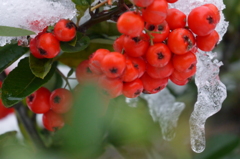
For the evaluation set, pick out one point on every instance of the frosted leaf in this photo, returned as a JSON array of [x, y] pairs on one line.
[[165, 110], [211, 94], [33, 15]]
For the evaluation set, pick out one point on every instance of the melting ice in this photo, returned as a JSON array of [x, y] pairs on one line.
[[33, 15]]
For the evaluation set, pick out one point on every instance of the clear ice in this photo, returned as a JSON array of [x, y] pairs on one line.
[[211, 91], [33, 15], [164, 109]]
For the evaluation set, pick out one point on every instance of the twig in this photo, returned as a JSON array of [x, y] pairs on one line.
[[65, 78]]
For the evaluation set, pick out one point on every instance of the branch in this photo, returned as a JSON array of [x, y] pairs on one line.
[[102, 16]]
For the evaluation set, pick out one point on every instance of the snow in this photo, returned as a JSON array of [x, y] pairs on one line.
[[33, 15]]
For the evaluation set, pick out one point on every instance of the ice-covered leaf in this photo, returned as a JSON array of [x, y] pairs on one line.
[[21, 82], [40, 67], [12, 31], [10, 53]]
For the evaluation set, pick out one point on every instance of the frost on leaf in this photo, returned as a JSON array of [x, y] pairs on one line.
[[163, 109], [33, 15]]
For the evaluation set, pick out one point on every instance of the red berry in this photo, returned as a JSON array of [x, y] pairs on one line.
[[113, 64], [135, 46], [176, 18], [142, 3], [84, 74], [130, 73], [153, 85], [182, 76], [61, 100], [118, 43], [158, 55], [139, 63], [202, 20], [132, 89], [131, 24], [180, 41], [214, 9], [96, 59], [160, 72], [179, 82], [34, 50], [156, 12], [52, 121], [38, 102], [64, 30], [208, 42], [48, 45], [162, 29], [110, 87], [185, 62]]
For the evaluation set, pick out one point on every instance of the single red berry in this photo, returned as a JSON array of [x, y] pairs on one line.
[[158, 55], [182, 76], [96, 59], [156, 12], [202, 20], [38, 102], [113, 64], [160, 72], [176, 18], [208, 42], [48, 45], [118, 43], [185, 62], [179, 82], [61, 100], [64, 30], [139, 63], [84, 73], [153, 85], [142, 3], [180, 41], [130, 73], [130, 23], [135, 46], [52, 121], [214, 9], [162, 29], [132, 89], [34, 50], [110, 87]]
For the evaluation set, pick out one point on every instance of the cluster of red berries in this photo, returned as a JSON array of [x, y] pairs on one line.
[[52, 105], [3, 110], [47, 44], [157, 44]]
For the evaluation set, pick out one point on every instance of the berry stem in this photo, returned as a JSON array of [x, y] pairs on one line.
[[99, 5], [150, 35], [65, 78]]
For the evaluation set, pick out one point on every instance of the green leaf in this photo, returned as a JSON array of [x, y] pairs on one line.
[[81, 44], [73, 59], [70, 72], [12, 31], [40, 67], [21, 82], [9, 54]]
